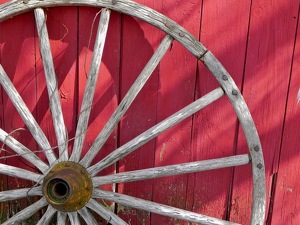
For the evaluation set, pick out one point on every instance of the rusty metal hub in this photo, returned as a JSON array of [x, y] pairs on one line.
[[67, 186]]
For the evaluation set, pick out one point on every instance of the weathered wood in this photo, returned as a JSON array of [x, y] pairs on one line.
[[26, 115], [246, 121], [52, 87], [178, 75], [106, 97], [18, 58], [286, 189], [61, 218], [22, 151], [47, 216], [20, 173], [74, 218], [156, 130], [125, 6], [105, 213], [20, 193], [127, 100], [172, 170], [26, 213], [90, 86], [142, 114], [159, 208], [212, 64], [224, 32], [87, 216]]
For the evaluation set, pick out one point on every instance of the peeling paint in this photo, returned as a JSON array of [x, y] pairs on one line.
[[162, 152]]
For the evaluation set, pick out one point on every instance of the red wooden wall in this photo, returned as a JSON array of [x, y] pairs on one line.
[[257, 41]]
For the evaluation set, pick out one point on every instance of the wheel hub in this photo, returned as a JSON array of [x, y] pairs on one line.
[[67, 186]]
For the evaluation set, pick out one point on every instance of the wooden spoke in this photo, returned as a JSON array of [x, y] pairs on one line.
[[74, 218], [90, 86], [52, 87], [48, 215], [153, 207], [127, 100], [26, 213], [105, 213], [20, 173], [26, 115], [22, 151], [156, 130], [87, 216], [61, 218], [163, 171], [20, 193]]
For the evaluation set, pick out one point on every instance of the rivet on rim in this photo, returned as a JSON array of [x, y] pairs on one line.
[[234, 92], [259, 166], [256, 148], [224, 77]]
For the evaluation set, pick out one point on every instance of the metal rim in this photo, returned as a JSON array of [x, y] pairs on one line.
[[173, 31]]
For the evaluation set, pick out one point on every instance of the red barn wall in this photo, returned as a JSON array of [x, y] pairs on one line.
[[257, 41]]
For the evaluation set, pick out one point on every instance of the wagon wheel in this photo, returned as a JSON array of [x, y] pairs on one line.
[[61, 179]]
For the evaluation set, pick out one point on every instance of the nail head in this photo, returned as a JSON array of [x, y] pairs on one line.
[[234, 92], [224, 77]]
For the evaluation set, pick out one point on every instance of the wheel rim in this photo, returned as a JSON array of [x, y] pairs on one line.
[[173, 31]]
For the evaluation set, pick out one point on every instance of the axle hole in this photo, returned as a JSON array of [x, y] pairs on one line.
[[58, 190]]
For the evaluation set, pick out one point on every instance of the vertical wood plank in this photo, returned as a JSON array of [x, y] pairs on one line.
[[285, 209], [176, 89], [62, 29], [224, 32], [3, 181], [139, 41], [267, 72], [106, 93], [107, 89], [18, 60]]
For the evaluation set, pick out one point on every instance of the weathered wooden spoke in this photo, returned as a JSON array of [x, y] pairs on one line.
[[22, 151], [90, 86], [87, 216], [46, 218], [105, 213], [20, 193], [26, 115], [26, 213], [52, 87], [156, 130], [172, 170], [61, 218], [20, 173], [74, 177], [127, 100], [153, 207], [74, 218]]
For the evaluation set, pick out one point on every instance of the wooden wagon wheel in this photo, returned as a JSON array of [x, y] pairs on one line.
[[61, 179]]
